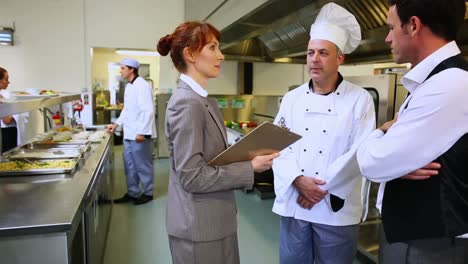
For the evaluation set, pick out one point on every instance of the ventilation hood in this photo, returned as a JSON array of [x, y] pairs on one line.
[[278, 31]]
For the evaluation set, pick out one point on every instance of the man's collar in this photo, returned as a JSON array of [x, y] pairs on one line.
[[419, 73], [136, 76], [338, 82]]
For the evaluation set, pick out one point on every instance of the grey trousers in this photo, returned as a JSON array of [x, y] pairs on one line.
[[302, 242], [138, 164], [224, 251], [423, 251]]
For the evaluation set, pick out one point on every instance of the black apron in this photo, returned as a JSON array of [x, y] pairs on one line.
[[9, 138]]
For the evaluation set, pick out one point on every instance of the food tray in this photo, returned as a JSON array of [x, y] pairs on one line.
[[17, 167], [97, 136], [57, 146], [68, 142], [81, 147], [64, 153]]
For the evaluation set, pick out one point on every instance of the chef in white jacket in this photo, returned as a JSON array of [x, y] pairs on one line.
[[138, 121], [317, 179], [8, 123]]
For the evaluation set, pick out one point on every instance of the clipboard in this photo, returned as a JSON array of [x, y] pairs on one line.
[[263, 140]]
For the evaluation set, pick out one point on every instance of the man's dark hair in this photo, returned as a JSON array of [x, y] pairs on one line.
[[443, 17], [2, 73], [135, 70]]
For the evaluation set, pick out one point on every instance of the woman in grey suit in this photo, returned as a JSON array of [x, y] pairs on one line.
[[201, 208]]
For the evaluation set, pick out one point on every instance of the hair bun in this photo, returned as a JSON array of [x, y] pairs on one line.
[[164, 45]]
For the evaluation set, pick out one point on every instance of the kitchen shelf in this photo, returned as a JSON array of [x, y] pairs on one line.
[[22, 106]]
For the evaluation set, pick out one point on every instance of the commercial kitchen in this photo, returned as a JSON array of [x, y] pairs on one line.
[[72, 48]]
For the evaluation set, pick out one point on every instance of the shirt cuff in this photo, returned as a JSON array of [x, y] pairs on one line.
[[377, 134]]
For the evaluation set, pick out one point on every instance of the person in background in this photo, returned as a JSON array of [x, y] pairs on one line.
[[424, 211], [317, 179], [139, 128], [8, 123], [201, 203]]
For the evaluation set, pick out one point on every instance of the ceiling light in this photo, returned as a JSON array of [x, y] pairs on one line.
[[6, 36], [137, 52], [285, 60]]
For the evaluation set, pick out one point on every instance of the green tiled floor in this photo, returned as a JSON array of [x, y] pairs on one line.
[[137, 234]]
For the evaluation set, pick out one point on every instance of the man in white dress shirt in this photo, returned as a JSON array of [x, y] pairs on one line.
[[424, 211], [317, 179], [138, 120]]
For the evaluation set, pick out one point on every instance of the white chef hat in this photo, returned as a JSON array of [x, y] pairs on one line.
[[337, 25], [130, 62]]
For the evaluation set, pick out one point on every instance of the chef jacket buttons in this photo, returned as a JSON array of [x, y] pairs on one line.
[[307, 110], [329, 110], [338, 93], [316, 173], [302, 170], [307, 129], [305, 150], [320, 152], [324, 131], [307, 92]]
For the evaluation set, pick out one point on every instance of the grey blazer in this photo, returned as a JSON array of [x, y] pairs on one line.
[[201, 205]]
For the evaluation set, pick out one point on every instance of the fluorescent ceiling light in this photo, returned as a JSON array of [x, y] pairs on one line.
[[6, 36], [286, 60], [137, 52]]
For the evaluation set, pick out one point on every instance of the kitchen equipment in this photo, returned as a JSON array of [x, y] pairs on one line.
[[45, 153], [81, 147]]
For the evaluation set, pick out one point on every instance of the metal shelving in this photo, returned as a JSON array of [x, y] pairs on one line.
[[22, 106]]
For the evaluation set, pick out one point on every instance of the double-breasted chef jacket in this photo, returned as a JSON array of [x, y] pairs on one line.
[[332, 126], [137, 115]]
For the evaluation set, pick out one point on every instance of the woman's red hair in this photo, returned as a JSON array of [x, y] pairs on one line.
[[193, 35]]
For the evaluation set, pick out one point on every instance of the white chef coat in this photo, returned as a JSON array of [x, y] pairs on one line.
[[436, 116], [7, 95], [137, 116], [21, 121], [331, 127]]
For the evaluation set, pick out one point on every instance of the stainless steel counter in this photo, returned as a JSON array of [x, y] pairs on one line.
[[51, 203]]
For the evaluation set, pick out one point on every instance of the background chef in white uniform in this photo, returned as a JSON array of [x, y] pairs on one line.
[[137, 118], [14, 127], [317, 179]]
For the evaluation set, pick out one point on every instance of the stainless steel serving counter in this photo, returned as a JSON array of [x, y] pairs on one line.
[[54, 206]]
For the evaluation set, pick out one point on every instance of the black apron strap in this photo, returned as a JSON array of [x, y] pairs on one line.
[[456, 61]]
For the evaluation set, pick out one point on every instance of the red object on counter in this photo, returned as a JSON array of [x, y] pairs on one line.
[[56, 119], [251, 124]]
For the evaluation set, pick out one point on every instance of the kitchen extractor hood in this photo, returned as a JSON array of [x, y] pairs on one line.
[[279, 29]]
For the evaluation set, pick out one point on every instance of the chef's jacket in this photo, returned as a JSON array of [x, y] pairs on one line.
[[137, 116], [331, 126]]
